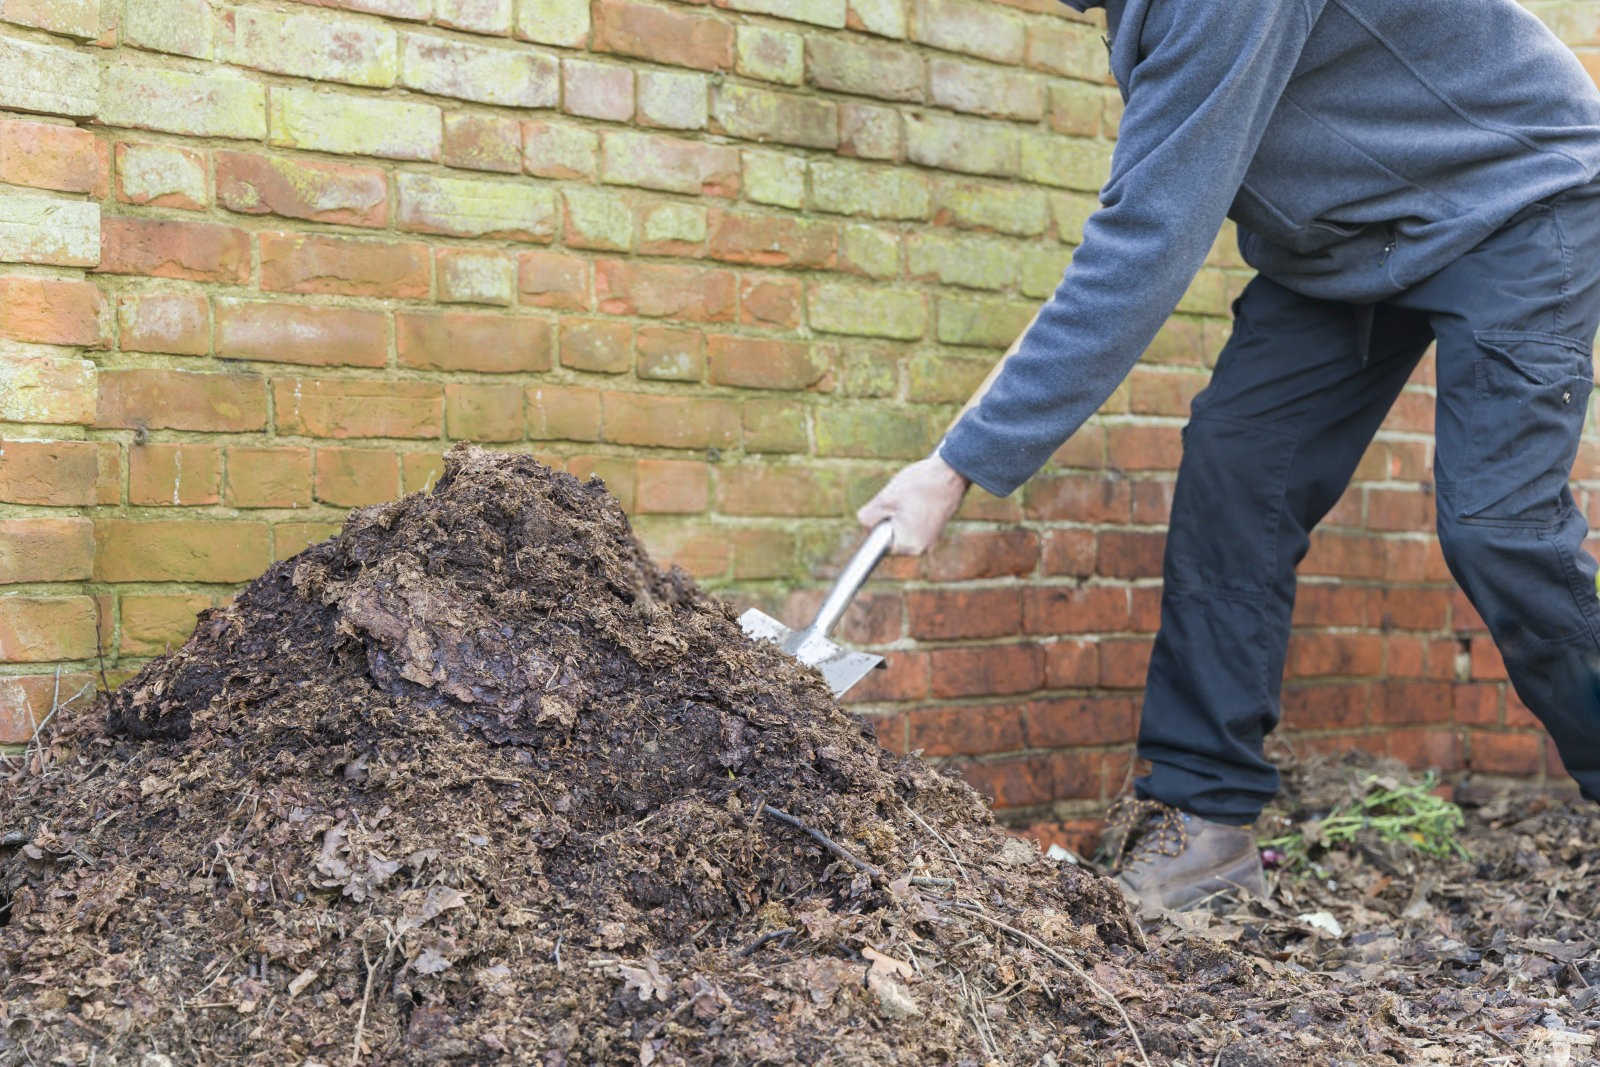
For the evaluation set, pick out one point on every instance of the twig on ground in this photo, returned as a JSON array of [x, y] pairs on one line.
[[871, 870], [366, 994], [937, 836], [770, 935], [1101, 991], [932, 883]]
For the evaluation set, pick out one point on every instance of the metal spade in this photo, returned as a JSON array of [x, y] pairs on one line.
[[840, 667]]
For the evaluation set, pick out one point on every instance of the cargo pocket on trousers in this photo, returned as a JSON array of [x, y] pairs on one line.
[[1531, 391]]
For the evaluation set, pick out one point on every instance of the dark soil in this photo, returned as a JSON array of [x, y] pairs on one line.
[[475, 782]]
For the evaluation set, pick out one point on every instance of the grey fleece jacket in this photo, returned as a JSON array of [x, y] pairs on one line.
[[1360, 145]]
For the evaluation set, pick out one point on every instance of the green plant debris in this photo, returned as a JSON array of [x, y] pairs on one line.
[[1404, 814]]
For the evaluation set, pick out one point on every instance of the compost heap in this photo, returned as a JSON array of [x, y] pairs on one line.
[[475, 781]]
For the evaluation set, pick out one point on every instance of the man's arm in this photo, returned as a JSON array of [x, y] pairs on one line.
[[1198, 104]]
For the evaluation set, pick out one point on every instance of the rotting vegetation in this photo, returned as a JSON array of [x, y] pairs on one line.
[[476, 782]]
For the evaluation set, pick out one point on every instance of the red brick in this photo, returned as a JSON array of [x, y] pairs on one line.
[[477, 412], [1464, 618], [946, 614], [1071, 664], [788, 490], [1326, 707], [987, 670], [762, 553], [1344, 556], [772, 240], [1141, 447], [157, 399], [560, 413], [179, 550], [45, 155], [356, 477], [666, 35], [1505, 753], [1423, 749], [695, 294], [1399, 509], [1066, 609], [290, 538], [1335, 655], [963, 556], [52, 311], [1016, 782], [966, 730], [1476, 704], [619, 475], [871, 619], [1124, 663], [760, 363], [1078, 498], [1517, 714], [46, 550], [468, 341], [672, 486], [36, 629], [173, 322], [1486, 662], [161, 248], [367, 407], [1160, 391], [1333, 604], [306, 263], [50, 473], [553, 279], [767, 300], [1144, 609], [669, 421], [483, 142], [1068, 552], [174, 475], [1131, 553], [752, 113], [1071, 722], [302, 189], [302, 333], [1415, 702], [268, 477], [596, 90], [904, 676], [667, 353], [153, 624], [603, 346]]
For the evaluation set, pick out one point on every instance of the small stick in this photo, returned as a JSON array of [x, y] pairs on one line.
[[939, 838], [870, 870], [1101, 991], [932, 883], [770, 935], [366, 994]]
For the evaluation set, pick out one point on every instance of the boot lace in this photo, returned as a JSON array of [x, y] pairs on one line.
[[1138, 829]]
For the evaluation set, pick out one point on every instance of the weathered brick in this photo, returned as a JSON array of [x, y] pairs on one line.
[[48, 79], [345, 124], [72, 18], [502, 76], [553, 279], [772, 240], [672, 228], [869, 250], [849, 65], [161, 176], [309, 263], [302, 189], [755, 489], [301, 333], [759, 363], [770, 300], [36, 629], [290, 538], [1007, 209], [870, 132], [666, 35], [674, 100], [559, 413], [315, 46], [597, 90], [990, 670], [469, 207], [775, 425], [471, 341], [174, 474], [968, 26], [669, 164], [701, 555], [179, 550], [179, 27], [774, 178], [753, 114], [52, 311], [554, 151], [420, 470], [46, 550], [669, 421], [475, 276], [49, 473], [558, 22], [991, 91], [181, 400], [666, 353], [867, 370], [482, 142], [870, 431], [356, 477], [953, 614], [598, 219], [886, 18], [1070, 49], [168, 321], [965, 145], [366, 407], [46, 389], [163, 248], [222, 103], [877, 192], [156, 623], [1069, 162], [992, 323], [44, 155], [852, 309], [972, 262], [670, 486], [476, 16], [39, 229], [603, 346], [268, 477], [695, 294], [829, 13], [474, 412], [770, 54]]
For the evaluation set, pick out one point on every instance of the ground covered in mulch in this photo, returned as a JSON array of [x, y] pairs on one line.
[[476, 782]]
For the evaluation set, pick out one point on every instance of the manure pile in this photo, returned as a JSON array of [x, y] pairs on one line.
[[476, 782]]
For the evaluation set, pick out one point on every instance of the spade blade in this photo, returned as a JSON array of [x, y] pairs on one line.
[[841, 668]]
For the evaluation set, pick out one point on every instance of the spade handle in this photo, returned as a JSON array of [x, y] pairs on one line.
[[853, 576]]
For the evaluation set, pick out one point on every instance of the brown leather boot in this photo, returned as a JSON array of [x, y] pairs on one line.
[[1164, 858]]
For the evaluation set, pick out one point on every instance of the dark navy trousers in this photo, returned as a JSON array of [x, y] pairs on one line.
[[1298, 393]]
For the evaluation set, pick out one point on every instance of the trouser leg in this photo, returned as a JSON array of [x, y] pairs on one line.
[[1515, 321], [1270, 446]]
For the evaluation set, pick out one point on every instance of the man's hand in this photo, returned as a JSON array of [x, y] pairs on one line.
[[920, 500]]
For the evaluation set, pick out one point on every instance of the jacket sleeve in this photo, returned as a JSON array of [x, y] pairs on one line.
[[1197, 106]]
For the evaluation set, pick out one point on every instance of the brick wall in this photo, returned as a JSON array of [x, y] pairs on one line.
[[263, 261]]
